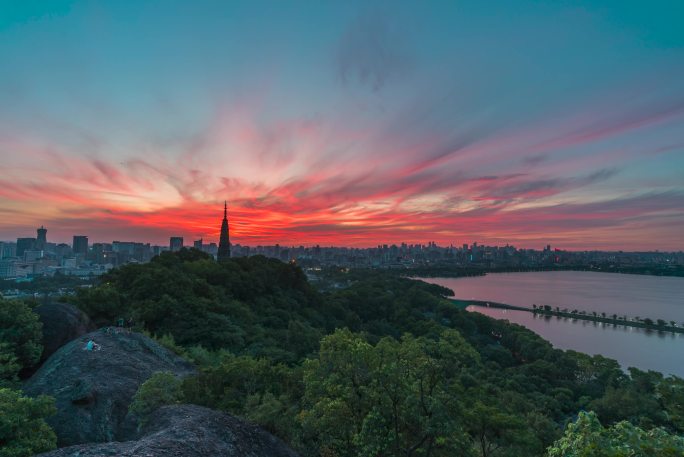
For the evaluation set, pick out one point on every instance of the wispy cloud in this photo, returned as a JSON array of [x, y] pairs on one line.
[[372, 51]]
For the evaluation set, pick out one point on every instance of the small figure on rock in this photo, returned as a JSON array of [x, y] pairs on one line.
[[92, 346]]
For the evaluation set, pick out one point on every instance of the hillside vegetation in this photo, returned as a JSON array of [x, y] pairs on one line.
[[384, 366]]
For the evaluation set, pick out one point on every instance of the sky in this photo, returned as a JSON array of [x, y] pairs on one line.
[[350, 123]]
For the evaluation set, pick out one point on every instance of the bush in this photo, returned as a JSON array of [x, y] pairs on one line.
[[20, 338], [162, 388], [23, 430]]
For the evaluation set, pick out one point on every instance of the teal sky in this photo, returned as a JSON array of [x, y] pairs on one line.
[[348, 123]]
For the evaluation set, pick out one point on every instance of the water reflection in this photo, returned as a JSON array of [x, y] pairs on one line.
[[603, 325], [631, 295]]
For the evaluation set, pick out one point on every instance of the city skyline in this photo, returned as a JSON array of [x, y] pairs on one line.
[[37, 242], [346, 124], [35, 257]]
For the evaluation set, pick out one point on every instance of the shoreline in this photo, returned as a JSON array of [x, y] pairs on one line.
[[467, 273]]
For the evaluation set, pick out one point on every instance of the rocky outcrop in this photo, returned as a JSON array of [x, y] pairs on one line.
[[93, 389], [61, 323], [189, 431]]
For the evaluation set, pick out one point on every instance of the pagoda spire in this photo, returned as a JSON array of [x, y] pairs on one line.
[[224, 239]]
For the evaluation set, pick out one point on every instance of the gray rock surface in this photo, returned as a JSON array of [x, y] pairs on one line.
[[61, 323], [188, 431], [93, 389]]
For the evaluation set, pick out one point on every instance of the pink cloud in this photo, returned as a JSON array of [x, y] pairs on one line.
[[311, 181]]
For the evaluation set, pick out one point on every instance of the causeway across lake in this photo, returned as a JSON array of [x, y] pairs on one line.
[[643, 296]]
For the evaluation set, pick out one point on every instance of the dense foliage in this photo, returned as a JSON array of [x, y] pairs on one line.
[[587, 437], [373, 365], [162, 388], [23, 430], [394, 398], [255, 306], [20, 339]]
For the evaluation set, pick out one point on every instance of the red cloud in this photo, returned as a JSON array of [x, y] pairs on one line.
[[312, 182]]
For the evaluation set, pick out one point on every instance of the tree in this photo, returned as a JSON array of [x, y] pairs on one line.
[[9, 365], [23, 430], [594, 374], [586, 437], [396, 398], [20, 338], [162, 388], [493, 430], [104, 304], [671, 393]]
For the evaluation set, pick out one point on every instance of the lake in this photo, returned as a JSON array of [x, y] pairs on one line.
[[642, 296]]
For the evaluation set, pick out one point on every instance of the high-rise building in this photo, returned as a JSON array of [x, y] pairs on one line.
[[41, 239], [197, 244], [25, 244], [176, 243], [80, 245], [224, 239]]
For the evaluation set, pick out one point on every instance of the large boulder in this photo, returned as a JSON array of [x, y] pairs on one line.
[[61, 323], [93, 389], [188, 431]]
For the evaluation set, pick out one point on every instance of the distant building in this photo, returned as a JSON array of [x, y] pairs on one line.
[[9, 250], [25, 244], [176, 243], [62, 250], [198, 244], [127, 251], [32, 255], [41, 239], [7, 268], [211, 248], [80, 245], [224, 239]]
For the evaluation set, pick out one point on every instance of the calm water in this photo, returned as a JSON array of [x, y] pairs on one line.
[[632, 295]]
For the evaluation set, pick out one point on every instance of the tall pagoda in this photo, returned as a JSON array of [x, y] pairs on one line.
[[224, 240]]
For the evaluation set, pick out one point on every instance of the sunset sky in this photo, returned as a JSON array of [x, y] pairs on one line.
[[345, 123]]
